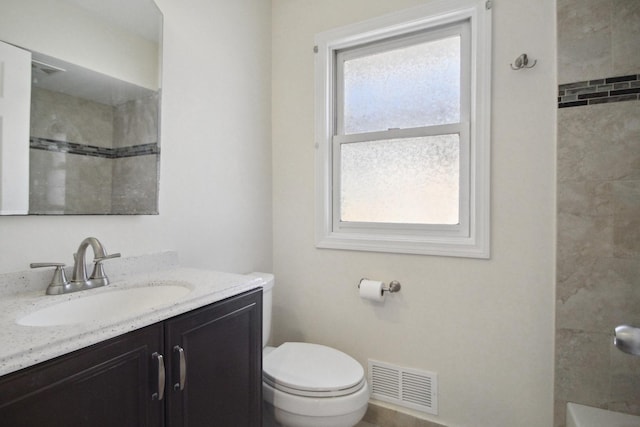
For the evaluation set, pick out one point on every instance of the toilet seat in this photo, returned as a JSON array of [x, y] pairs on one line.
[[312, 370]]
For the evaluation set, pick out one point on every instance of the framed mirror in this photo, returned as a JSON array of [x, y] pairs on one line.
[[79, 107]]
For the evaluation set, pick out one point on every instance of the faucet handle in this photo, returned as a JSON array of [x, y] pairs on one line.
[[98, 276], [59, 283], [46, 264], [106, 257]]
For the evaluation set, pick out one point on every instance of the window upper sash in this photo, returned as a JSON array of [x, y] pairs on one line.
[[460, 29]]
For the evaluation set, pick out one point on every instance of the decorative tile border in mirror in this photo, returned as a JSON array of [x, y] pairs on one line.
[[92, 150], [600, 91]]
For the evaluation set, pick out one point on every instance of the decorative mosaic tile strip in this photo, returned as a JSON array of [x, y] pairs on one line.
[[137, 150], [600, 91], [92, 150]]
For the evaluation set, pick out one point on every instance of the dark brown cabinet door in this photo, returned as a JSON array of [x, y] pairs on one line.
[[222, 350], [108, 384]]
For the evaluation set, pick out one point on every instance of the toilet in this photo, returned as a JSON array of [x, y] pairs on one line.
[[309, 385]]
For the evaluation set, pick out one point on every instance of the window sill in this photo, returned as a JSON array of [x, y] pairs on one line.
[[465, 247]]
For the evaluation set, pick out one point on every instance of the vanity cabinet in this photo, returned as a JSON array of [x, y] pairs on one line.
[[104, 385], [217, 349], [222, 345]]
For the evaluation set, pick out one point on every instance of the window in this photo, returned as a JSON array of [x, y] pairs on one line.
[[402, 132]]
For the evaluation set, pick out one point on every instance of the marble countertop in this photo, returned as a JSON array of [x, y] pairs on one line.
[[24, 346]]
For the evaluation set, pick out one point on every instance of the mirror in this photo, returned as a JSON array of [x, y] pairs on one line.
[[88, 140]]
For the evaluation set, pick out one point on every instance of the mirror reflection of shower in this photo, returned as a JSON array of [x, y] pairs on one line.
[[81, 135], [85, 127], [55, 193]]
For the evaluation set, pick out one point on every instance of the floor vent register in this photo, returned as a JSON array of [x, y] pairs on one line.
[[411, 388]]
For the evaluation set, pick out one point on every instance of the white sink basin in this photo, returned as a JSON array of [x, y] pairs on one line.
[[116, 304]]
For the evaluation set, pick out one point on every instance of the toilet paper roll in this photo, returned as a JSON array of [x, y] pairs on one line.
[[371, 290]]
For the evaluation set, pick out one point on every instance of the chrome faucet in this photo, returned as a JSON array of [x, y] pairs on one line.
[[98, 277], [627, 339], [79, 281]]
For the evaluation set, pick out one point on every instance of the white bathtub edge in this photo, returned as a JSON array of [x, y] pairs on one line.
[[587, 416]]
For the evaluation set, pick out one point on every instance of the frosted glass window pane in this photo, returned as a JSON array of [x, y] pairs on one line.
[[409, 87], [414, 181]]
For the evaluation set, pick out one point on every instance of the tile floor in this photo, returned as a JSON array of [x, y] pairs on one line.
[[268, 421], [376, 416]]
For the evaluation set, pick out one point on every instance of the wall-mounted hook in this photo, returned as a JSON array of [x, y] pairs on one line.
[[521, 62]]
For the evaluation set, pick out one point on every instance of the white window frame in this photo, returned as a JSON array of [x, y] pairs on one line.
[[470, 238]]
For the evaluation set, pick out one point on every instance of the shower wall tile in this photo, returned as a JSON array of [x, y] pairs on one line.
[[135, 185], [627, 218], [88, 185], [598, 255], [625, 382], [626, 237], [573, 273], [598, 201], [597, 38], [626, 36], [601, 298], [582, 366], [626, 196], [586, 237], [577, 197], [66, 118], [584, 40], [599, 142], [136, 122], [47, 177], [69, 184]]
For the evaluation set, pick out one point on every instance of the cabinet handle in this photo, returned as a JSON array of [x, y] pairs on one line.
[[183, 369], [161, 377]]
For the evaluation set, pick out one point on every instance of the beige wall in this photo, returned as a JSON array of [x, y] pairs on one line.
[[215, 202], [486, 327]]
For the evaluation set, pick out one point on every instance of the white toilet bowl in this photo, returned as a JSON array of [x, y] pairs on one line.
[[309, 385], [294, 419]]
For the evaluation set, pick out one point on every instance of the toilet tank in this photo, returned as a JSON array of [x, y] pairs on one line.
[[267, 303]]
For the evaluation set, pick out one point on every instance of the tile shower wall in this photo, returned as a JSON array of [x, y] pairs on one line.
[[135, 184], [598, 243], [135, 122], [92, 158], [136, 166], [62, 182]]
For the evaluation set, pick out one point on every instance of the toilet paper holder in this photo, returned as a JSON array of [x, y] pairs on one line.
[[394, 286]]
